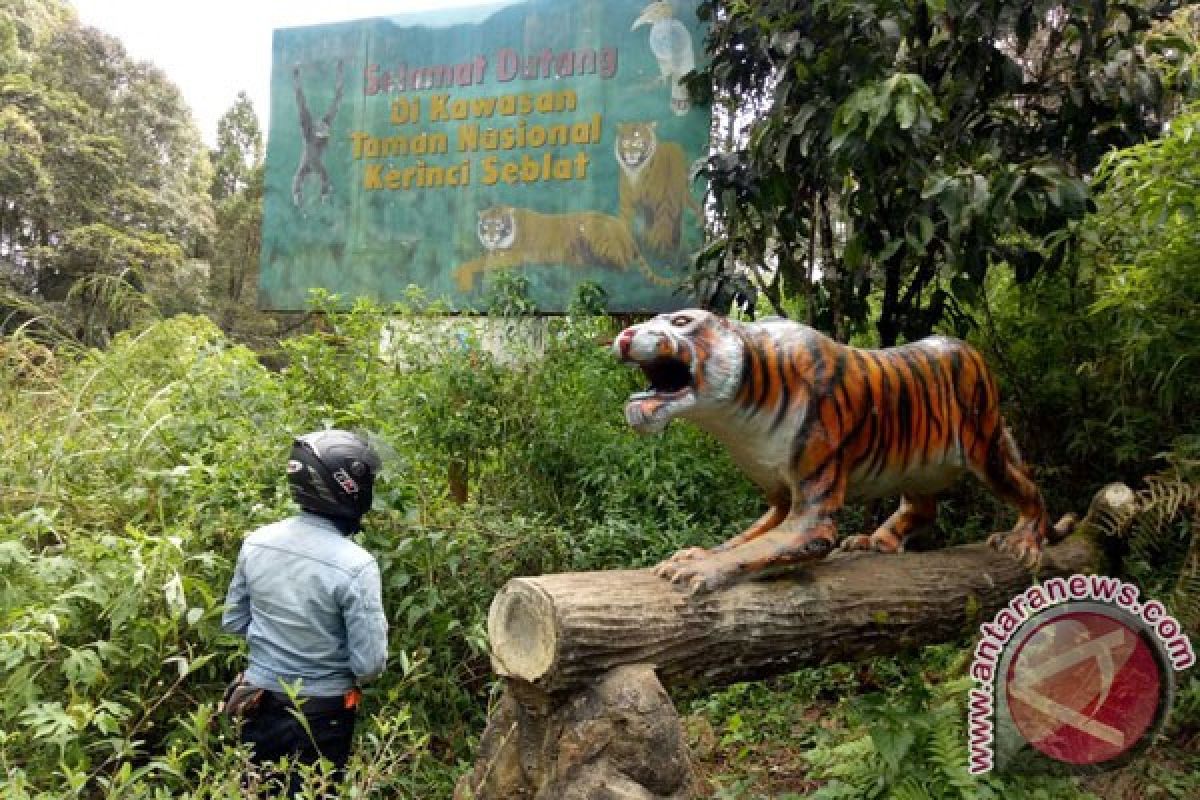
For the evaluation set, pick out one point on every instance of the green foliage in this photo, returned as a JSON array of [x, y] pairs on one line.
[[1146, 260], [902, 148], [102, 171], [1109, 342], [239, 149], [887, 728], [904, 744], [237, 194], [130, 474], [1162, 534]]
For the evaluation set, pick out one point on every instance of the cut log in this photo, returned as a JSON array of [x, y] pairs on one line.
[[559, 632]]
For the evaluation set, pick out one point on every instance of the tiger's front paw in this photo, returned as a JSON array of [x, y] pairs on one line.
[[697, 576], [464, 277], [873, 543], [1023, 545], [855, 543], [687, 554]]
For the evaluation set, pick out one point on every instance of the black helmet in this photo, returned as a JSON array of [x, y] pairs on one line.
[[333, 473]]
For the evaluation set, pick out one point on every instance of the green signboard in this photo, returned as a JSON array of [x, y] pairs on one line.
[[549, 137]]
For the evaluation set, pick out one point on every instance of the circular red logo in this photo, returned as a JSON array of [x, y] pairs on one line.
[[1084, 687]]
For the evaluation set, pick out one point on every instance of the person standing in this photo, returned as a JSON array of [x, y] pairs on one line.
[[308, 600]]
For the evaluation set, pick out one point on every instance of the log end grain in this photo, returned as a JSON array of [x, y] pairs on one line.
[[522, 631]]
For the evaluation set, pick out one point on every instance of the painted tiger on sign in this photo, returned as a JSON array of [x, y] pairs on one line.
[[515, 237], [815, 423], [652, 189]]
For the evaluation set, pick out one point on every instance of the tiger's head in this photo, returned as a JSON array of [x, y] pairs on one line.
[[693, 361], [635, 145], [496, 228]]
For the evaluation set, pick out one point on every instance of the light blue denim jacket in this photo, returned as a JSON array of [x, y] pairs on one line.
[[308, 601]]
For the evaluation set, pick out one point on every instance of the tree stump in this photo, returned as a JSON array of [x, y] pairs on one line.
[[618, 739]]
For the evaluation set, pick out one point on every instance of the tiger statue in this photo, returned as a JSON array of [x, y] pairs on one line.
[[815, 423], [652, 188], [514, 237]]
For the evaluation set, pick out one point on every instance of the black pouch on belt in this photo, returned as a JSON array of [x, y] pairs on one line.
[[241, 699]]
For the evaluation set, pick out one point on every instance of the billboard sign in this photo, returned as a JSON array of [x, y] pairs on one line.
[[550, 137]]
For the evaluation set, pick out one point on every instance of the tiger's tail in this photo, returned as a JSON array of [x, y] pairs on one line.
[[1067, 523], [693, 206], [651, 275]]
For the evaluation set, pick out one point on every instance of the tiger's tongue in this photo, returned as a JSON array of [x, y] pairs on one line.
[[645, 412]]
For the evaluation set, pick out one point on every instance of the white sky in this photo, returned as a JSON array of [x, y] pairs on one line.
[[213, 49]]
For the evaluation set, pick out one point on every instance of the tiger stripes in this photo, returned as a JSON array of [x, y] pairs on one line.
[[816, 423]]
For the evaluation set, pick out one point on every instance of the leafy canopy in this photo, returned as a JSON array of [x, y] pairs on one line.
[[893, 150]]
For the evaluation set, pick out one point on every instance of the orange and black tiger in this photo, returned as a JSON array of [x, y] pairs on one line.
[[816, 423]]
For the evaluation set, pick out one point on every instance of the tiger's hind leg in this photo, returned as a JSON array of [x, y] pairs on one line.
[[917, 511], [464, 275], [1005, 474]]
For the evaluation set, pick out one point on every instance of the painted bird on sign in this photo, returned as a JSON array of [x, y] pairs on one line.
[[672, 47]]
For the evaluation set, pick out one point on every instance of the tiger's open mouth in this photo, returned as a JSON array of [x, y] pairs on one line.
[[668, 377]]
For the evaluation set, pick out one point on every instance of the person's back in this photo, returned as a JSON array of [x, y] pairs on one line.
[[312, 616], [309, 602]]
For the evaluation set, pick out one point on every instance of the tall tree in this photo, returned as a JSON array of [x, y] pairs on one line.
[[103, 176], [896, 149], [237, 191], [239, 149], [25, 179]]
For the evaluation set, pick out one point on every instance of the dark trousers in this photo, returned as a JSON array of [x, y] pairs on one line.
[[275, 732]]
